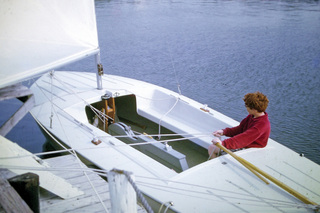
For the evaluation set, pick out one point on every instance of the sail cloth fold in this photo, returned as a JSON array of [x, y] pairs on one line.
[[41, 35]]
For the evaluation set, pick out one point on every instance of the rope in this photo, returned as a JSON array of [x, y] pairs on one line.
[[207, 195], [156, 135], [177, 99], [170, 204], [63, 113], [95, 111], [73, 151], [51, 100], [175, 72], [51, 136], [139, 143], [162, 141], [242, 196], [275, 203]]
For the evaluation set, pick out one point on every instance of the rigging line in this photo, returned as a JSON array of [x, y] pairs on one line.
[[76, 94], [98, 112], [51, 100], [139, 134], [161, 141], [104, 173], [183, 190], [150, 169], [214, 189], [258, 197], [177, 100], [205, 194], [175, 72], [202, 198], [295, 182], [304, 173], [66, 115], [166, 189], [51, 136], [73, 152], [69, 169], [92, 186], [276, 202]]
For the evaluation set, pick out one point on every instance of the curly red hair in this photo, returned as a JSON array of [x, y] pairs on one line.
[[256, 101]]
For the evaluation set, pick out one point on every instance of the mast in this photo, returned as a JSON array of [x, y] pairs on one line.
[[99, 71]]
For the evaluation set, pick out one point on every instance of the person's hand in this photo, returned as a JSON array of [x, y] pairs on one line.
[[218, 133], [216, 140]]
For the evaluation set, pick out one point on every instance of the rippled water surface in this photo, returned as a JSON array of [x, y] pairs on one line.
[[217, 51]]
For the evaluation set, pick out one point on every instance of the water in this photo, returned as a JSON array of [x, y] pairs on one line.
[[217, 51]]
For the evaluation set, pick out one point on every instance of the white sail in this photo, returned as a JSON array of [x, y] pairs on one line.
[[30, 45]]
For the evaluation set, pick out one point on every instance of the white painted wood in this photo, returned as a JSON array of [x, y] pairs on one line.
[[10, 159], [123, 196], [14, 91], [17, 116]]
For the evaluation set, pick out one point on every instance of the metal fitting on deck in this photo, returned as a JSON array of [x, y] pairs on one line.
[[100, 69]]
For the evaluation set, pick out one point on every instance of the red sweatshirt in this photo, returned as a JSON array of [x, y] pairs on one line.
[[252, 132]]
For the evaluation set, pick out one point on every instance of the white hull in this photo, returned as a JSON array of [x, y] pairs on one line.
[[219, 185]]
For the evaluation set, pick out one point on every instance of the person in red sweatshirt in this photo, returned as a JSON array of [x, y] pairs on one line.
[[253, 131]]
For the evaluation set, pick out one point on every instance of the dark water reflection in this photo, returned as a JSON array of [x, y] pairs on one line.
[[220, 50]]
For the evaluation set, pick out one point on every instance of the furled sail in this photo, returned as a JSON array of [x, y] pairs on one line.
[[40, 35]]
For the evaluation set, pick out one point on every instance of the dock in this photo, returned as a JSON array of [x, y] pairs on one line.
[[66, 184], [89, 201]]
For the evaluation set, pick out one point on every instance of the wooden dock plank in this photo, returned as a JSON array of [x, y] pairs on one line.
[[9, 153], [89, 201]]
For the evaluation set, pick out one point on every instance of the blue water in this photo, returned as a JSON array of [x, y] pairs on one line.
[[217, 51]]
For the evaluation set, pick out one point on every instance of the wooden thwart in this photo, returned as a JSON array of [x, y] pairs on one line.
[[251, 167]]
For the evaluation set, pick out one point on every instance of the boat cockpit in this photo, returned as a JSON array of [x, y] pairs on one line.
[[122, 120]]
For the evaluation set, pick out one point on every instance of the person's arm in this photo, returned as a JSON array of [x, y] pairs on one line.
[[233, 131], [230, 132], [243, 139]]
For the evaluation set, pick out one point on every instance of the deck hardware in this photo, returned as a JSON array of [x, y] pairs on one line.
[[96, 141], [205, 108], [168, 147], [116, 94], [100, 69], [106, 96]]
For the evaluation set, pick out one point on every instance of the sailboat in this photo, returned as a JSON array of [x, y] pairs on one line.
[[158, 135]]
